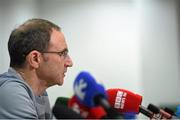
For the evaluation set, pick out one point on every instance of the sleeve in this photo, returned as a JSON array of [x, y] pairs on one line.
[[15, 102]]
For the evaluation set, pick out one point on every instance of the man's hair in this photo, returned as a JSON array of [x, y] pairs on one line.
[[34, 34]]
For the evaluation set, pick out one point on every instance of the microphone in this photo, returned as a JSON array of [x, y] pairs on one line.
[[125, 101], [91, 94], [63, 112], [154, 109], [86, 89], [162, 114], [62, 101], [168, 110], [96, 112], [177, 113], [171, 112]]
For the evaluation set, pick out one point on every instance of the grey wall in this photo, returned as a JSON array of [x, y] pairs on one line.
[[13, 13], [160, 52], [103, 39]]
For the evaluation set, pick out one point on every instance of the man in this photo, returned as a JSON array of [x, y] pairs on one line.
[[38, 59]]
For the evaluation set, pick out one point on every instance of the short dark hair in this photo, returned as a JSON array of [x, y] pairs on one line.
[[34, 34]]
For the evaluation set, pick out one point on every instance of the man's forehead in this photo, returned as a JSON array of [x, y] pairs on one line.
[[57, 40]]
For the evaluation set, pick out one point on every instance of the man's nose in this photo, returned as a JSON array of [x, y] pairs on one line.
[[69, 62]]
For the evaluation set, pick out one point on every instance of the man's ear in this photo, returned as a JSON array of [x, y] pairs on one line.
[[34, 58]]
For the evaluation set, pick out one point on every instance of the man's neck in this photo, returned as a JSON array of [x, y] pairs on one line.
[[29, 76]]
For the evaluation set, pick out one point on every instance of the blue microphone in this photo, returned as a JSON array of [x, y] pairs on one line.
[[86, 89], [178, 111], [91, 94]]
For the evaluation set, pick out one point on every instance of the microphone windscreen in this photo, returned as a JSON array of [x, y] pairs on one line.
[[63, 112], [62, 101], [86, 88], [124, 101], [168, 110], [153, 108], [96, 112], [177, 113], [157, 110]]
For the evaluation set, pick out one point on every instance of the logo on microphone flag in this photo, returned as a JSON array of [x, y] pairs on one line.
[[78, 88]]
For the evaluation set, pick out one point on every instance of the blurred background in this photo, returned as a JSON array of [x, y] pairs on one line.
[[130, 44]]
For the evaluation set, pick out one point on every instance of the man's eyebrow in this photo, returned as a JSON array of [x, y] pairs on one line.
[[65, 49]]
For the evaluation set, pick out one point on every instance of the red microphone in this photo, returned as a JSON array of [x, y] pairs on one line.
[[89, 113], [126, 101]]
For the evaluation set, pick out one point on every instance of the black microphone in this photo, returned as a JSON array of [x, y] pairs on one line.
[[62, 101], [159, 112], [168, 110], [63, 112], [155, 110], [146, 112]]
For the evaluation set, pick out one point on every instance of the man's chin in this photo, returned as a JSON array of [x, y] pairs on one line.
[[60, 83]]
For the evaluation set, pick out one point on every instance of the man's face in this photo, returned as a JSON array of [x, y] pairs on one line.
[[54, 65]]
